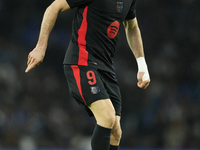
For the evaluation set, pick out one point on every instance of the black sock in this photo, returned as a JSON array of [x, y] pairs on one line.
[[114, 147], [101, 138]]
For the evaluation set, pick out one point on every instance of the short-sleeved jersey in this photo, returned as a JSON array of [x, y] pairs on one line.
[[95, 30]]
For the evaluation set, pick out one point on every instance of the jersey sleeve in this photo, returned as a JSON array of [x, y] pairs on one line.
[[132, 12], [75, 3]]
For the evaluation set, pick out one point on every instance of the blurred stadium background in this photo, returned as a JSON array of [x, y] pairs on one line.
[[36, 110]]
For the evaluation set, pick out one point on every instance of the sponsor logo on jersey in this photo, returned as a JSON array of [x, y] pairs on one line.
[[120, 6], [113, 29], [95, 89]]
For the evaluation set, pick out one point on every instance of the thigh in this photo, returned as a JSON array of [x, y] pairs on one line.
[[85, 84], [104, 112], [113, 90]]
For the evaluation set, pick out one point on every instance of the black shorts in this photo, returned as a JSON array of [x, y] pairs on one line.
[[88, 84]]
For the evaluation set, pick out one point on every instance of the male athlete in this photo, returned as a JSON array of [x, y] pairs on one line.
[[88, 62]]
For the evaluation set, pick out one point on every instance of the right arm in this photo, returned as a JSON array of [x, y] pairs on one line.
[[36, 56]]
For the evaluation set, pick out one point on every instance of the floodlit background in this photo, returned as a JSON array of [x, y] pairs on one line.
[[36, 110]]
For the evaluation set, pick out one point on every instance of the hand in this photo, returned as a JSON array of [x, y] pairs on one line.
[[142, 84], [35, 57]]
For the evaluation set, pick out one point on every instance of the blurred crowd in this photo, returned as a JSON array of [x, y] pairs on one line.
[[36, 110]]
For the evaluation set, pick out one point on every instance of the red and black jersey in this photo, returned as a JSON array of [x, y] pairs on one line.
[[95, 30]]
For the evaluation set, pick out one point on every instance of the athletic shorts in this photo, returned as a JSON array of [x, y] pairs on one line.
[[88, 84]]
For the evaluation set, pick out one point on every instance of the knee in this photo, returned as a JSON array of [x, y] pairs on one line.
[[109, 118], [106, 118], [104, 113], [116, 133]]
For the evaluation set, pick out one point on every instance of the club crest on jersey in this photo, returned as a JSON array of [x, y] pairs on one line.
[[95, 89], [120, 6]]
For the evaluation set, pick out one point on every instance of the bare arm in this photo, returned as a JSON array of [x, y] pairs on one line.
[[37, 55], [133, 36], [134, 40]]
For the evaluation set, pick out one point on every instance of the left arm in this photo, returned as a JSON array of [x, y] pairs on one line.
[[134, 40], [133, 36]]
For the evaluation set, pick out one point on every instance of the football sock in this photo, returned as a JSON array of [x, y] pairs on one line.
[[101, 138], [114, 147]]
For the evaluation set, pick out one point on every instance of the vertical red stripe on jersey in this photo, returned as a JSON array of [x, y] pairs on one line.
[[83, 54], [76, 72]]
